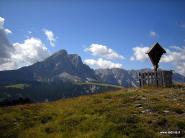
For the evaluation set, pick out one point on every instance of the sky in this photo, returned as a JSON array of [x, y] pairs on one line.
[[105, 33]]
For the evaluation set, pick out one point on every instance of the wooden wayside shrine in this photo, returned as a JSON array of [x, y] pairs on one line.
[[155, 78], [158, 78]]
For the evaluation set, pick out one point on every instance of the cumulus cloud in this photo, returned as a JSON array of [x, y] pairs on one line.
[[153, 34], [101, 63], [2, 22], [13, 56], [8, 65], [29, 52], [5, 46], [103, 51], [139, 53], [50, 36], [176, 56], [26, 53], [8, 31]]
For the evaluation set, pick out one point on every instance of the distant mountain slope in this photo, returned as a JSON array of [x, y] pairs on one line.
[[40, 92], [178, 77], [116, 76], [59, 66], [127, 78]]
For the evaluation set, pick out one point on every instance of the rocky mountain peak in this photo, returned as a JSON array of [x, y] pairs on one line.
[[60, 54]]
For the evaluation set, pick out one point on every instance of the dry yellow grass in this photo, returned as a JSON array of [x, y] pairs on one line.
[[122, 113]]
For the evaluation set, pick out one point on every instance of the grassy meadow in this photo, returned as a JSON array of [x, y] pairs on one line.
[[124, 113]]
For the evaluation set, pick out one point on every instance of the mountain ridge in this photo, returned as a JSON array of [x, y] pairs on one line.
[[62, 66]]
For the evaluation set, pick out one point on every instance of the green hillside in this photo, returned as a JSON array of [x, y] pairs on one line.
[[18, 86], [138, 113], [10, 94]]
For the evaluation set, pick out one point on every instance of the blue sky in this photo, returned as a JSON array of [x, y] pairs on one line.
[[119, 25]]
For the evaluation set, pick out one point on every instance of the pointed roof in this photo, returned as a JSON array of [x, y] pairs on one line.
[[155, 53], [156, 46]]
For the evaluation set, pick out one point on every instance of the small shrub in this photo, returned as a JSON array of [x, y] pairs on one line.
[[49, 130], [97, 101], [178, 111], [111, 132], [46, 119], [132, 119], [163, 122], [71, 122], [181, 125], [142, 133], [149, 121]]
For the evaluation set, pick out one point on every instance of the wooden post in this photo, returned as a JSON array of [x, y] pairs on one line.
[[156, 77]]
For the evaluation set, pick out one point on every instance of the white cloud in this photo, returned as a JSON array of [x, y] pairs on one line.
[[139, 53], [13, 56], [153, 34], [5, 46], [26, 53], [29, 52], [51, 37], [103, 51], [9, 65], [101, 63], [2, 22], [8, 31], [176, 57]]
